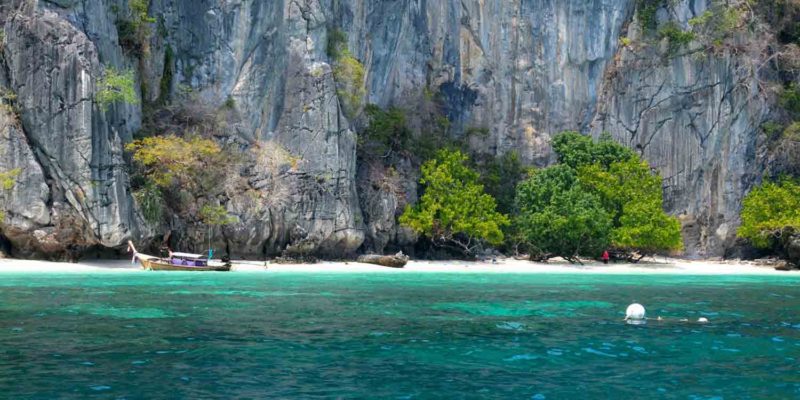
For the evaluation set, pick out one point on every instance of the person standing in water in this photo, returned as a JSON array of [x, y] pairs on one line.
[[605, 257]]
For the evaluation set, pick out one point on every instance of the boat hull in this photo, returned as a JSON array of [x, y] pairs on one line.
[[159, 265]]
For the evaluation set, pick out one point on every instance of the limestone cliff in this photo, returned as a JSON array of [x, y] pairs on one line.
[[520, 70]]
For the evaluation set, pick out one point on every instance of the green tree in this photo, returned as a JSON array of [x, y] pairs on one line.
[[632, 195], [595, 174], [116, 87], [500, 176], [644, 228], [454, 211], [576, 150], [557, 217], [771, 214]]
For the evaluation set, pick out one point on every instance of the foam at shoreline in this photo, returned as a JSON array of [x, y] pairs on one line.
[[507, 266]]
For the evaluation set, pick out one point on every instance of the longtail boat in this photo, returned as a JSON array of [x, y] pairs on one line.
[[177, 262]]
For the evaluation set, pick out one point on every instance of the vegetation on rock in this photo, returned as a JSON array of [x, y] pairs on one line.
[[179, 174], [348, 72], [576, 150], [387, 132], [116, 87], [133, 28], [7, 181], [171, 160], [215, 215], [8, 101], [150, 200]]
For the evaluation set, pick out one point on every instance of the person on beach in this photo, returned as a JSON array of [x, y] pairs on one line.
[[605, 257]]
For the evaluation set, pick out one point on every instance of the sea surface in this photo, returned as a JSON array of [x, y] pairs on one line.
[[162, 335]]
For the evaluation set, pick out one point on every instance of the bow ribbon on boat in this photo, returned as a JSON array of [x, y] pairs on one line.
[[132, 249]]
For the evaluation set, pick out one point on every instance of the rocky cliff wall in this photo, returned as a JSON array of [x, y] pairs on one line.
[[521, 70]]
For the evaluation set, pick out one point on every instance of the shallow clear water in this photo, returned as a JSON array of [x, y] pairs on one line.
[[238, 335]]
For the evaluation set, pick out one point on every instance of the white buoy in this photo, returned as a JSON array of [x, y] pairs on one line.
[[702, 320], [635, 314], [635, 311]]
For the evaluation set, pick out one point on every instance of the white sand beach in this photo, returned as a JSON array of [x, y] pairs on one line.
[[513, 266]]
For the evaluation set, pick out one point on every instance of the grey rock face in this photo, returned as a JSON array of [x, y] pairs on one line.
[[694, 116], [269, 58], [522, 70], [27, 213], [384, 194], [52, 67]]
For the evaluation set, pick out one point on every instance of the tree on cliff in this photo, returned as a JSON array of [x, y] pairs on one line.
[[771, 218], [454, 211]]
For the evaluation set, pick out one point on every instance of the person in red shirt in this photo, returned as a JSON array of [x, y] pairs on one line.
[[605, 257]]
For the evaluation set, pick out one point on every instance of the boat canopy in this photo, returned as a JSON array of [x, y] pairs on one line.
[[188, 256]]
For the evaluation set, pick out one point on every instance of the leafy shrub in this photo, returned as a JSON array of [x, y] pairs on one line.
[[349, 75], [215, 215], [701, 19], [771, 214], [718, 23], [116, 87], [386, 133], [337, 44], [174, 161], [792, 132], [177, 173], [167, 76], [675, 36], [454, 210], [789, 99], [646, 12], [9, 178], [772, 129], [8, 101]]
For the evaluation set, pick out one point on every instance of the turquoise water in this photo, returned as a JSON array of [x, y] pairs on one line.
[[247, 335]]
